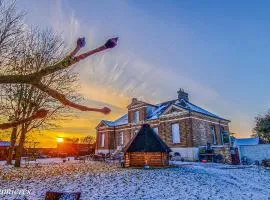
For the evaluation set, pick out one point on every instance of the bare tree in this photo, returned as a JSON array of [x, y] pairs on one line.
[[25, 102], [39, 50], [11, 27], [72, 140], [33, 78], [10, 32], [88, 140]]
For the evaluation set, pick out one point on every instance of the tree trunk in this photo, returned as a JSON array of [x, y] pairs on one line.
[[12, 145], [19, 149]]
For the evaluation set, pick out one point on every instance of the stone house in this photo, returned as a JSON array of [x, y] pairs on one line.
[[183, 126]]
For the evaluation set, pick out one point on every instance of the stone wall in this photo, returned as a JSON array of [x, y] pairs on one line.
[[201, 127], [165, 132], [225, 152]]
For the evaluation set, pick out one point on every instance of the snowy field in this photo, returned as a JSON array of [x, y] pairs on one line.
[[97, 180]]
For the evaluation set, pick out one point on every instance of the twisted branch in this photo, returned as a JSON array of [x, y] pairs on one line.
[[35, 78], [38, 115]]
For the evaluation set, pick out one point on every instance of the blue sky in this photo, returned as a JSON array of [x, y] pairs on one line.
[[216, 50]]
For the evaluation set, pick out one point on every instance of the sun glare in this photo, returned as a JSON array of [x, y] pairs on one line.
[[59, 140]]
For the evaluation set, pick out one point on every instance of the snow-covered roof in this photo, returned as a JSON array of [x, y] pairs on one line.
[[159, 110], [153, 112], [121, 121], [245, 141], [182, 104], [186, 104], [4, 144]]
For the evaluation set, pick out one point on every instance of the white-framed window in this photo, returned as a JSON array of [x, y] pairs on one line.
[[121, 138], [176, 134], [136, 116], [102, 140], [214, 135], [156, 130]]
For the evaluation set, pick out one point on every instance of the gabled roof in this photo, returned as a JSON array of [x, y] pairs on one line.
[[154, 112], [4, 144], [245, 141], [181, 104], [121, 121], [160, 109], [146, 140], [192, 107]]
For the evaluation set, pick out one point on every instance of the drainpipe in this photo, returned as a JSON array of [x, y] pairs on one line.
[[191, 130], [97, 140], [114, 135], [220, 134], [239, 154], [114, 142]]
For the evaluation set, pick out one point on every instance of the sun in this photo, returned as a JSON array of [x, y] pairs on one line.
[[59, 140]]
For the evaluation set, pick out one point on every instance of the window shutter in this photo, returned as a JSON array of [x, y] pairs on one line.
[[175, 133]]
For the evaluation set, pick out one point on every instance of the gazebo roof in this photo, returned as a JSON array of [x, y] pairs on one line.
[[146, 140]]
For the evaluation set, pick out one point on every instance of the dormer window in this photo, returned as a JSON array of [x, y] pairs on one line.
[[136, 117]]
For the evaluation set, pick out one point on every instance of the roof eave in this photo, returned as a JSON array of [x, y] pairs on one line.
[[217, 117]]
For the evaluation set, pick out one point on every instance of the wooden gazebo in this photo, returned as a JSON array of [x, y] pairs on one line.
[[146, 149]]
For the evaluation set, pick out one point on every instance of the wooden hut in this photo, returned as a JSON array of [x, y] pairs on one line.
[[146, 149]]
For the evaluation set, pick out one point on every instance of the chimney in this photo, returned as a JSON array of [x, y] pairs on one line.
[[182, 94], [134, 100]]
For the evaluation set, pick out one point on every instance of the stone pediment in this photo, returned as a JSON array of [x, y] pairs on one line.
[[173, 109], [135, 103], [101, 125]]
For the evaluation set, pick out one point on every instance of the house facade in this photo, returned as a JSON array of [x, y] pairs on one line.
[[183, 126]]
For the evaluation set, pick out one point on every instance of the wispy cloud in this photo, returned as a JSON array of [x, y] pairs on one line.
[[115, 76], [122, 73]]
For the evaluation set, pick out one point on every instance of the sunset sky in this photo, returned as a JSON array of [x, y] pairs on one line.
[[218, 51]]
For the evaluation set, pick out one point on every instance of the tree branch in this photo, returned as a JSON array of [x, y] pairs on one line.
[[65, 63], [38, 115], [60, 97], [35, 78]]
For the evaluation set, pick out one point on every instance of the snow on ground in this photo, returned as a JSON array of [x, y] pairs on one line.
[[96, 180]]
